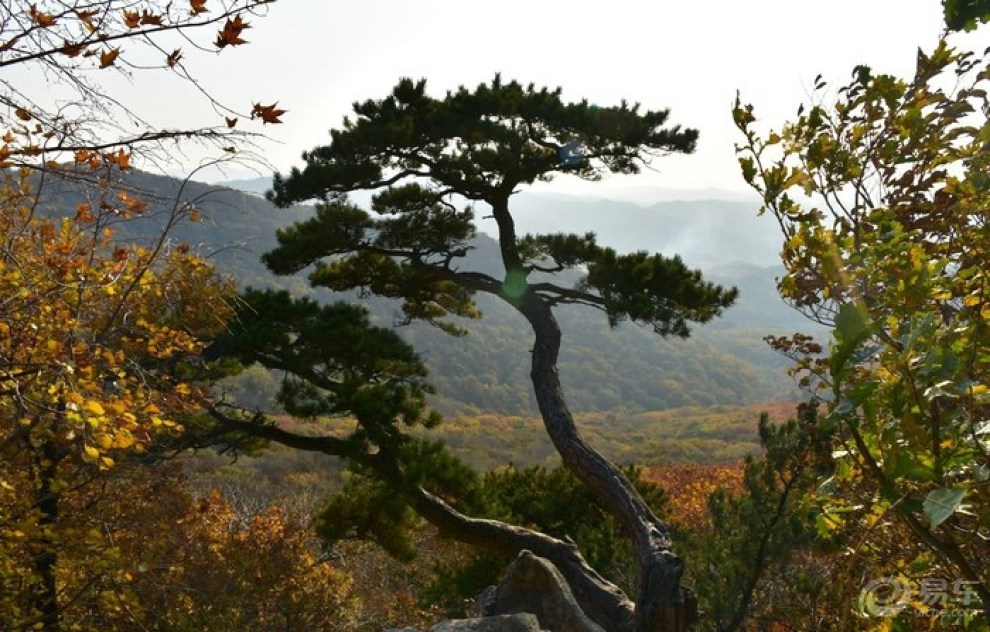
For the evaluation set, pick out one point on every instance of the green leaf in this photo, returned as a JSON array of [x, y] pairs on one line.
[[905, 465], [748, 169], [851, 323], [942, 503], [860, 393], [852, 327]]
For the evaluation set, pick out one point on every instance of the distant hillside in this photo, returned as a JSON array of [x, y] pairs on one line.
[[706, 232], [628, 368], [236, 228], [258, 186]]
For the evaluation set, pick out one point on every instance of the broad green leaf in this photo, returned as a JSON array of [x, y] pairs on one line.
[[942, 503], [852, 327]]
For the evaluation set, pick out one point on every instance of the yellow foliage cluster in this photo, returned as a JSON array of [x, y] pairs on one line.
[[96, 341]]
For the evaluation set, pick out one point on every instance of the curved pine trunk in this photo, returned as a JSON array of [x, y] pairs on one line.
[[662, 605]]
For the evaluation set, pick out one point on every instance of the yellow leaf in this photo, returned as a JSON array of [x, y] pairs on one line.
[[117, 408], [124, 440], [94, 407], [90, 454]]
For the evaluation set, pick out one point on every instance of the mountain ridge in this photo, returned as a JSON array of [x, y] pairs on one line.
[[630, 368]]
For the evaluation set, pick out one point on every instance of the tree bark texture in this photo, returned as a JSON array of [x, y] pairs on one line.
[[662, 605]]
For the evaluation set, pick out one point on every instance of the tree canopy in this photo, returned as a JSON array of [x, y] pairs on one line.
[[965, 15]]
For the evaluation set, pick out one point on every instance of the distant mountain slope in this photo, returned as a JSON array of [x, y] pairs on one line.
[[706, 232], [629, 367]]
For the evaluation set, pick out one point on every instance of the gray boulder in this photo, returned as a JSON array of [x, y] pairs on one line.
[[534, 585]]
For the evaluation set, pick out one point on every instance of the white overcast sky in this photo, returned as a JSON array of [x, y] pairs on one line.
[[316, 57]]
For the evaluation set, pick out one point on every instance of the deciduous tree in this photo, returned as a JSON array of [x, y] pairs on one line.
[[93, 338], [883, 200], [95, 335]]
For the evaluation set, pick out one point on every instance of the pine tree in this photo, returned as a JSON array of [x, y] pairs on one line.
[[422, 156]]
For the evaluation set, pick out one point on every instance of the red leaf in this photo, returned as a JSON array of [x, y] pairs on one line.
[[267, 113], [231, 33]]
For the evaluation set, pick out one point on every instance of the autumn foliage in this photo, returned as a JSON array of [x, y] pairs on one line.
[[64, 49], [96, 345], [883, 202]]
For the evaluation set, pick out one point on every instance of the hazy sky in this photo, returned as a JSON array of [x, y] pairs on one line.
[[318, 57]]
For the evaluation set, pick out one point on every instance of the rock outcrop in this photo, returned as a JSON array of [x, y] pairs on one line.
[[534, 585], [531, 597]]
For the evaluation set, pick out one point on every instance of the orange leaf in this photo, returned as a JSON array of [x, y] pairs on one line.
[[133, 205], [22, 114], [107, 58], [42, 19], [122, 159], [231, 33], [197, 7], [83, 212], [86, 17], [267, 113], [132, 19]]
